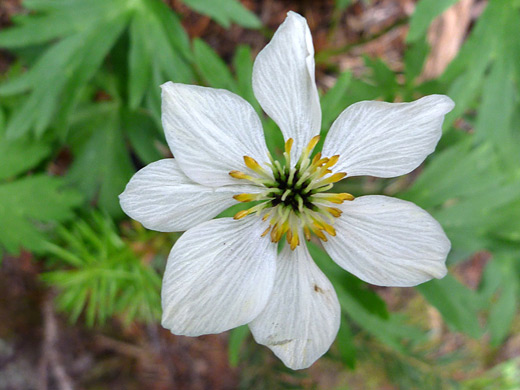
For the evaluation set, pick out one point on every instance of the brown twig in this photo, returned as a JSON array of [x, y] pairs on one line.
[[51, 359]]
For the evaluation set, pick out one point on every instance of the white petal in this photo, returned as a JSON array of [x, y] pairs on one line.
[[283, 82], [163, 198], [386, 139], [210, 131], [388, 242], [302, 317], [219, 276]]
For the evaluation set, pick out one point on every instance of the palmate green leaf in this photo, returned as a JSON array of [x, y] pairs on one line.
[[159, 51], [68, 64], [97, 273], [31, 205], [225, 12], [79, 36], [425, 12], [19, 155], [102, 166]]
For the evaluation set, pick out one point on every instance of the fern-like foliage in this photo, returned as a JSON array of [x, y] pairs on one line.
[[98, 273]]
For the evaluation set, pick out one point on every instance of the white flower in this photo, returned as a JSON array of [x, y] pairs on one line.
[[226, 272]]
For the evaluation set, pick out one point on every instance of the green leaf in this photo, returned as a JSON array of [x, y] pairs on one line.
[[143, 136], [345, 343], [384, 77], [342, 5], [212, 68], [237, 337], [414, 58], [97, 273], [503, 310], [159, 51], [23, 202], [225, 12], [457, 304], [425, 12], [102, 166], [20, 155], [67, 65], [243, 64], [332, 103]]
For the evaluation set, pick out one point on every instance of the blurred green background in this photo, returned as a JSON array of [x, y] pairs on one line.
[[80, 113]]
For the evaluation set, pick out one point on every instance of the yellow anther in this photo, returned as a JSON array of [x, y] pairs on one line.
[[334, 198], [288, 145], [334, 211], [345, 196], [252, 164], [318, 231], [294, 240], [312, 144], [335, 177], [239, 175], [246, 197], [307, 233], [266, 231], [332, 161], [316, 158], [242, 214], [328, 228]]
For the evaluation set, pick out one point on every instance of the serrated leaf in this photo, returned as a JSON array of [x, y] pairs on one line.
[[225, 12], [23, 202], [20, 155]]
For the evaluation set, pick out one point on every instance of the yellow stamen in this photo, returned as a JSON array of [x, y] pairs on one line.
[[288, 145], [312, 144], [334, 211], [241, 214], [239, 175], [246, 197]]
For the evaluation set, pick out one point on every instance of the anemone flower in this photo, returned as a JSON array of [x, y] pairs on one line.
[[227, 272]]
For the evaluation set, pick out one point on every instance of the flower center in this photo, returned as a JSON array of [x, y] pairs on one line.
[[294, 198]]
